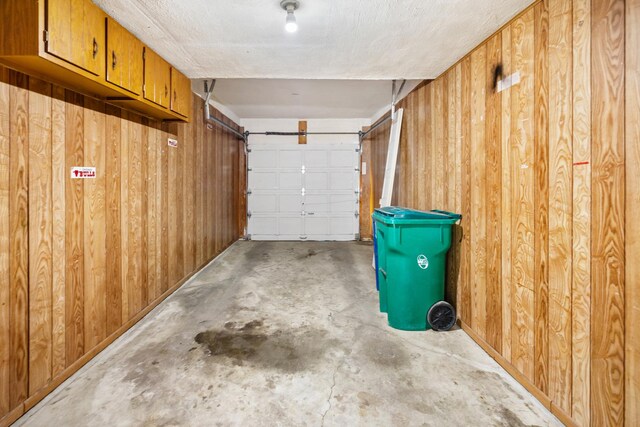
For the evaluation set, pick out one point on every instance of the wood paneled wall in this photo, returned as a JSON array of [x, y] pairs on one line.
[[81, 261], [374, 154], [546, 176]]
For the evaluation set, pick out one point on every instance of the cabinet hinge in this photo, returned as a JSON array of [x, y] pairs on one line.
[[45, 36]]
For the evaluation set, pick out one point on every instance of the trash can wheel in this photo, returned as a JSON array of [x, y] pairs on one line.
[[441, 316]]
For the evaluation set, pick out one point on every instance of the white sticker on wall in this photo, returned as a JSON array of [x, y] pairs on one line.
[[83, 172], [173, 142], [509, 81], [364, 168]]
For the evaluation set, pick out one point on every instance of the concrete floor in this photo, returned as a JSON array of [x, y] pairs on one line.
[[282, 333]]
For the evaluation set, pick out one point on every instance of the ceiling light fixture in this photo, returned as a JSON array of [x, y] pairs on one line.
[[290, 6]]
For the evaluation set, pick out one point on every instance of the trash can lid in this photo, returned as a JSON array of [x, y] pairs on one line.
[[396, 214]]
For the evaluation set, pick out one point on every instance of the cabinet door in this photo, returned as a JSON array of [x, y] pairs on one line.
[[180, 93], [157, 78], [94, 42], [59, 29], [124, 58], [76, 33]]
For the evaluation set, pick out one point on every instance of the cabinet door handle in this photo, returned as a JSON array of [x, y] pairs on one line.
[[114, 59], [166, 91], [95, 48]]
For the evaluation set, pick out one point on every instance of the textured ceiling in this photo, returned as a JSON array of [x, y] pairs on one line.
[[312, 99], [348, 39]]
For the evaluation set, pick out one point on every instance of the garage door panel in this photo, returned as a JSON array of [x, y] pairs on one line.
[[316, 159], [290, 159], [341, 159], [263, 159], [291, 226], [341, 203], [263, 180], [316, 181], [290, 180], [290, 203], [306, 192], [316, 203], [341, 224], [316, 225], [342, 181], [263, 203], [263, 225]]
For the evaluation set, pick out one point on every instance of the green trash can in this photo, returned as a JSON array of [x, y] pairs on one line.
[[412, 248]]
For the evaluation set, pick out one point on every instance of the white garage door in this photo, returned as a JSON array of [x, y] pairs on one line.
[[303, 192]]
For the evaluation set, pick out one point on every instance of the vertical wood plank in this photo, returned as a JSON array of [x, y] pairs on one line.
[[58, 181], [467, 231], [164, 212], [189, 209], [40, 238], [412, 126], [607, 204], [438, 144], [74, 238], [522, 132], [152, 212], [18, 237], [5, 257], [478, 192], [200, 181], [134, 223], [632, 229], [493, 198], [113, 190], [217, 185], [302, 129], [581, 288], [421, 154], [428, 148], [158, 144], [541, 197], [124, 214], [560, 202], [208, 221], [95, 259], [507, 191], [144, 214], [458, 231]]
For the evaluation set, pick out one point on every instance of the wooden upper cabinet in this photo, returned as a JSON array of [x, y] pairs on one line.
[[74, 44], [75, 33], [124, 58], [180, 93], [157, 78]]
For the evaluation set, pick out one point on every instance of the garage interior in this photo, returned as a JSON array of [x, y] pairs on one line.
[[186, 191]]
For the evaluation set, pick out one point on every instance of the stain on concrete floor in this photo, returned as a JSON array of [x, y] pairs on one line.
[[286, 333]]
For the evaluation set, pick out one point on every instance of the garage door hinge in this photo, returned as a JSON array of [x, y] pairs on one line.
[[248, 192], [249, 169], [248, 214], [248, 150], [357, 214], [357, 150], [357, 169]]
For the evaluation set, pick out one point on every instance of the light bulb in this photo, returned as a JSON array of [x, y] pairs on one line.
[[291, 24]]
